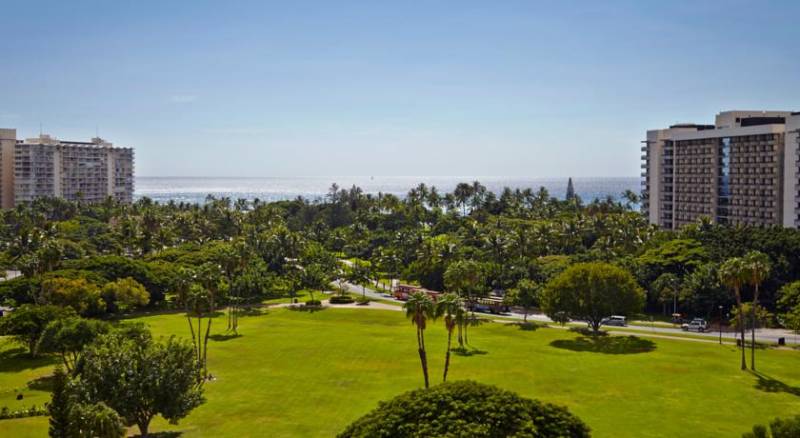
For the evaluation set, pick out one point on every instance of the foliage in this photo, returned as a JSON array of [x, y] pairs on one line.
[[789, 305], [33, 411], [26, 324], [70, 418], [68, 336], [82, 296], [591, 292], [465, 278], [419, 309], [96, 420], [525, 295], [59, 406], [140, 380], [153, 276], [125, 294], [764, 318], [778, 428], [466, 408]]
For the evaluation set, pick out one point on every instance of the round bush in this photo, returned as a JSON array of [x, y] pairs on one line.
[[313, 303], [341, 299], [466, 408]]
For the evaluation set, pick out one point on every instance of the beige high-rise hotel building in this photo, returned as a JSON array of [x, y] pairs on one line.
[[743, 169], [47, 167]]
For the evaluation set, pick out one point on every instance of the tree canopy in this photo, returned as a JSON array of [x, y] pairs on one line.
[[591, 292], [466, 408]]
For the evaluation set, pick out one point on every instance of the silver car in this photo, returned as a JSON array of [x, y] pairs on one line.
[[696, 325], [614, 320]]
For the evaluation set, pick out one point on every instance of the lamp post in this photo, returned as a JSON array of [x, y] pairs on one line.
[[720, 325]]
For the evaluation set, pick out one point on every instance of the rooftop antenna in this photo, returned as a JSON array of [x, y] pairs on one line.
[[40, 129]]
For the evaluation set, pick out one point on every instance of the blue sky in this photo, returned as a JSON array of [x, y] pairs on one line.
[[535, 89]]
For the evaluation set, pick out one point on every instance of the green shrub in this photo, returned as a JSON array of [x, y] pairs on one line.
[[313, 303], [466, 408], [778, 428], [33, 411], [363, 301], [341, 299]]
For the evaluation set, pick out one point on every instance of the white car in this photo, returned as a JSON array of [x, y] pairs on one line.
[[696, 325]]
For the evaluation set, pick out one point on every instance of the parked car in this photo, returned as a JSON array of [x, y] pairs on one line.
[[696, 325], [614, 320]]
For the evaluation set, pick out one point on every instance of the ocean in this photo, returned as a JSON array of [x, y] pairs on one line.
[[195, 189]]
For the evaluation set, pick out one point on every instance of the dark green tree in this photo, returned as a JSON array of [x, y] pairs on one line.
[[67, 337], [26, 324], [140, 380], [60, 405], [466, 409], [591, 292]]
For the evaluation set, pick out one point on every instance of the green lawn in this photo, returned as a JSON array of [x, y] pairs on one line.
[[295, 373]]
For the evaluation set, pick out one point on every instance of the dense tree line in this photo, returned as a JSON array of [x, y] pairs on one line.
[[256, 247]]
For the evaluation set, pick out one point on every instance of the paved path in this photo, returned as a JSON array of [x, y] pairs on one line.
[[372, 305], [762, 335]]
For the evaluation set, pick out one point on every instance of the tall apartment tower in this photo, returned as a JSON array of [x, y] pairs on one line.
[[48, 167], [743, 169], [8, 140]]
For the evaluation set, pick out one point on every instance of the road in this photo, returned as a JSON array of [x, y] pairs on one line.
[[762, 335]]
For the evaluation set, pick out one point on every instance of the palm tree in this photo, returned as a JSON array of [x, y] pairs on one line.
[[448, 306], [733, 274], [758, 267], [419, 308], [462, 194]]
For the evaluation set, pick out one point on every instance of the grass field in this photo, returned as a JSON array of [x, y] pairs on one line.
[[295, 373]]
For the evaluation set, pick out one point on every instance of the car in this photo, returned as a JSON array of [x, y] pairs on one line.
[[614, 320], [696, 325]]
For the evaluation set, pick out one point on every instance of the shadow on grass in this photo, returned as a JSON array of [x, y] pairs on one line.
[[219, 337], [606, 344], [466, 352], [157, 312], [587, 331], [527, 326], [304, 308], [162, 435], [44, 383], [253, 311], [18, 359], [768, 384]]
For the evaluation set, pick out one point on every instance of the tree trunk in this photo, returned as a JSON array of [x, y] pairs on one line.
[[205, 349], [422, 356], [447, 355], [753, 330], [525, 315], [144, 425], [460, 337], [194, 339], [741, 326]]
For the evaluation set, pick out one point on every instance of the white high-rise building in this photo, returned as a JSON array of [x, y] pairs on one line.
[[743, 169], [47, 167]]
